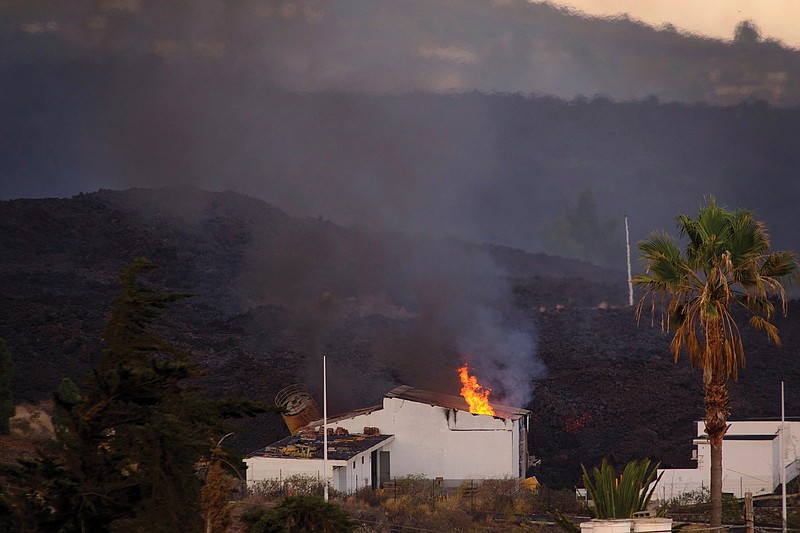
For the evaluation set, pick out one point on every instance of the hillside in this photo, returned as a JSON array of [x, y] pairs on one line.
[[382, 46], [273, 291], [501, 169]]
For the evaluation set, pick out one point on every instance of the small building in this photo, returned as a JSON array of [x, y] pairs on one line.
[[751, 460], [353, 460], [413, 432]]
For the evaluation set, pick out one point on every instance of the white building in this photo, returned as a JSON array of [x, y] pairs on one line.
[[353, 460], [751, 460], [423, 433]]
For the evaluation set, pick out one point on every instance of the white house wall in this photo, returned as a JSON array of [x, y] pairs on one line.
[[357, 473], [271, 468], [748, 465], [436, 441], [345, 476]]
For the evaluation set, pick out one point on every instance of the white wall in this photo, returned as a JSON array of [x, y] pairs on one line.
[[345, 476], [439, 442], [263, 468], [748, 465], [357, 473]]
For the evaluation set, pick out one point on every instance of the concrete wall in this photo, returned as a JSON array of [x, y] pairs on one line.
[[748, 465], [345, 476], [263, 468]]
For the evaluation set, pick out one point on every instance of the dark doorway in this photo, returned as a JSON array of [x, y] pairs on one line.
[[380, 471]]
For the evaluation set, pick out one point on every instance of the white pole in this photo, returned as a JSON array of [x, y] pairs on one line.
[[628, 246], [325, 425], [783, 458]]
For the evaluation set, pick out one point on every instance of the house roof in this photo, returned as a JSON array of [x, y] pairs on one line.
[[348, 414], [404, 392], [340, 447]]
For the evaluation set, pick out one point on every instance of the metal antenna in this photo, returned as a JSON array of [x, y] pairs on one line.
[[628, 246], [782, 462], [325, 424]]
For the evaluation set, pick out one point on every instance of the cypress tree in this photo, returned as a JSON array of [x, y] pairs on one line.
[[132, 442]]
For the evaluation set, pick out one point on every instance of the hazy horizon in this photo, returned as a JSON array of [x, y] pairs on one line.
[[776, 19]]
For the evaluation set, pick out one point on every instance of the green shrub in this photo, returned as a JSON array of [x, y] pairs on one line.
[[731, 510], [621, 496], [301, 514]]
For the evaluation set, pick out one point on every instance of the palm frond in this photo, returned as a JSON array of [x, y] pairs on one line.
[[748, 237], [761, 323], [726, 262], [662, 259], [781, 264]]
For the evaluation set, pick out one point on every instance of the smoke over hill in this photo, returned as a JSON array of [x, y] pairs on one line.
[[527, 172], [313, 107], [382, 46], [440, 303]]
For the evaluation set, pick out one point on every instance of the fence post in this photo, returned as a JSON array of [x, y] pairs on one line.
[[748, 512], [471, 496]]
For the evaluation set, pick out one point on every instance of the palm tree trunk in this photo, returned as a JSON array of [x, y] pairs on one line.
[[716, 485], [717, 401]]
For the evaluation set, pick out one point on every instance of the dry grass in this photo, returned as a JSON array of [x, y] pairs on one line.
[[497, 506]]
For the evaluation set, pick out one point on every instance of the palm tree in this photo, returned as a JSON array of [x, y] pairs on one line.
[[726, 265]]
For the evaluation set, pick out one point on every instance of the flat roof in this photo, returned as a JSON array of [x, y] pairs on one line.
[[404, 392], [340, 447]]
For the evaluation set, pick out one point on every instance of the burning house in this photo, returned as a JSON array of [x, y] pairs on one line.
[[412, 432]]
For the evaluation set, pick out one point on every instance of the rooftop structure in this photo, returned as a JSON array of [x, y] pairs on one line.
[[340, 447]]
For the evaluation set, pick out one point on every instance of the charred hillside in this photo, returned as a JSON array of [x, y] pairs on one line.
[[272, 291], [506, 169]]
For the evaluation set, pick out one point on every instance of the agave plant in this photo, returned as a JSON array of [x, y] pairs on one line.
[[621, 496]]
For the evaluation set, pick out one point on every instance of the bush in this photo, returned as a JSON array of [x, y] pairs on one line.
[[301, 514], [697, 503], [443, 515], [498, 496], [544, 500], [416, 486], [371, 497], [621, 496], [297, 485], [731, 510]]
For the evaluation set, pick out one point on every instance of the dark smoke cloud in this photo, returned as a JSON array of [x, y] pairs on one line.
[[433, 305], [312, 107]]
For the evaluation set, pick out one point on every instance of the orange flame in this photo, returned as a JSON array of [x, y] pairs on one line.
[[477, 397]]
